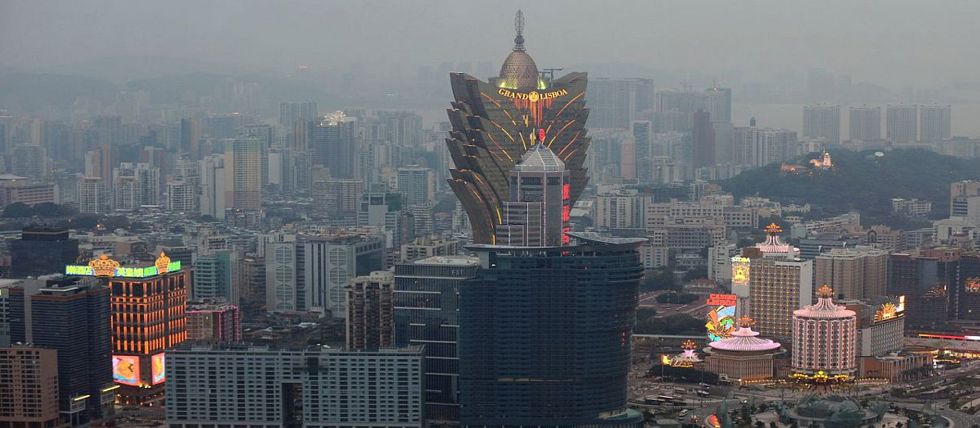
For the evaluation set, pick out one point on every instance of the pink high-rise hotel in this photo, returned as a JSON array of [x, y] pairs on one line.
[[824, 340]]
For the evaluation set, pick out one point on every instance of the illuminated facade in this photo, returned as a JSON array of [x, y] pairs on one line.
[[825, 336], [148, 317], [743, 356], [721, 319], [495, 123]]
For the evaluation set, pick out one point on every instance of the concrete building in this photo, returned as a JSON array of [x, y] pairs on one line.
[[824, 339], [371, 312], [426, 247], [619, 209], [92, 198], [28, 387], [857, 272], [902, 125], [213, 322], [213, 202], [211, 387], [821, 121], [935, 123], [243, 173], [864, 123], [417, 184], [538, 210]]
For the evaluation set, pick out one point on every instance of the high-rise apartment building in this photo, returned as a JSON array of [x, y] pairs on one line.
[[284, 288], [417, 184], [28, 387], [902, 123], [213, 202], [856, 272], [329, 263], [935, 123], [495, 122], [642, 131], [182, 197], [702, 140], [614, 103], [864, 123], [762, 146], [718, 103], [427, 313], [243, 173], [213, 276], [370, 312], [964, 200], [821, 121], [316, 387], [333, 143], [92, 198]]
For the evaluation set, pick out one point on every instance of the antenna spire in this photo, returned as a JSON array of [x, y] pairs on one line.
[[519, 29]]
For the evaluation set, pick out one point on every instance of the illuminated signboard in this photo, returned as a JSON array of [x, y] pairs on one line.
[[721, 323], [972, 285], [722, 299], [126, 369], [121, 272], [740, 271], [158, 363]]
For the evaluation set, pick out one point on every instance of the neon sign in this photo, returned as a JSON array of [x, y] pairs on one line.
[[721, 323], [126, 369], [122, 272], [972, 285], [740, 271], [158, 366]]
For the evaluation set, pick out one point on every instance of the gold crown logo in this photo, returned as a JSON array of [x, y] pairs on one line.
[[162, 263], [825, 291], [103, 266], [746, 322], [689, 344], [774, 229]]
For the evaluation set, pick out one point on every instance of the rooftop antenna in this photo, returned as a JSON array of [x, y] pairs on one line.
[[519, 28]]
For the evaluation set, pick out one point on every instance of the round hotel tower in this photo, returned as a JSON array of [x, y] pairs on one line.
[[824, 340], [744, 356]]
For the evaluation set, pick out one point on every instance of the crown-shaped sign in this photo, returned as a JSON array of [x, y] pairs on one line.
[[825, 291], [103, 266], [689, 345], [162, 263], [774, 229], [746, 322]]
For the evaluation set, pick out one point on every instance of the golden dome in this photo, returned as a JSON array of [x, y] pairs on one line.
[[519, 71]]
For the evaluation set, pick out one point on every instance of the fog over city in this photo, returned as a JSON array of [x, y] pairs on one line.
[[889, 42]]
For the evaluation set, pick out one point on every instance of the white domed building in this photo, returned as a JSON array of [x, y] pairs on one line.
[[744, 356]]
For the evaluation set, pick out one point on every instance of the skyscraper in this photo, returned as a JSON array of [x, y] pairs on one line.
[[820, 121], [857, 272], [370, 312], [615, 102], [702, 139], [427, 313], [41, 252], [865, 123], [494, 123], [417, 184], [718, 103], [935, 123], [524, 361], [71, 317], [243, 173], [902, 123], [333, 142], [213, 201], [824, 340]]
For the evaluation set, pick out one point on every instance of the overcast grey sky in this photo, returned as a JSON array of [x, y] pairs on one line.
[[894, 42]]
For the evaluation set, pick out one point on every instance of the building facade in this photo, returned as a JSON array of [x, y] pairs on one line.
[[258, 387], [370, 311], [825, 336], [29, 387]]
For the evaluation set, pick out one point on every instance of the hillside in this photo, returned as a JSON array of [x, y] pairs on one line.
[[863, 182]]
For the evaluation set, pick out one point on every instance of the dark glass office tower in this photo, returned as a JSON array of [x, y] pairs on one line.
[[41, 252], [73, 318], [427, 313], [545, 334], [496, 122]]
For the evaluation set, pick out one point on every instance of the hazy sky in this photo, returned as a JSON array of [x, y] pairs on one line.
[[894, 42]]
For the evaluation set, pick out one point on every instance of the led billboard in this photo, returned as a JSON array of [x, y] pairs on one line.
[[158, 363], [126, 369]]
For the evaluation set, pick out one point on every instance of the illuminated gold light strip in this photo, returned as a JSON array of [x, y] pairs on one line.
[[570, 122]]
